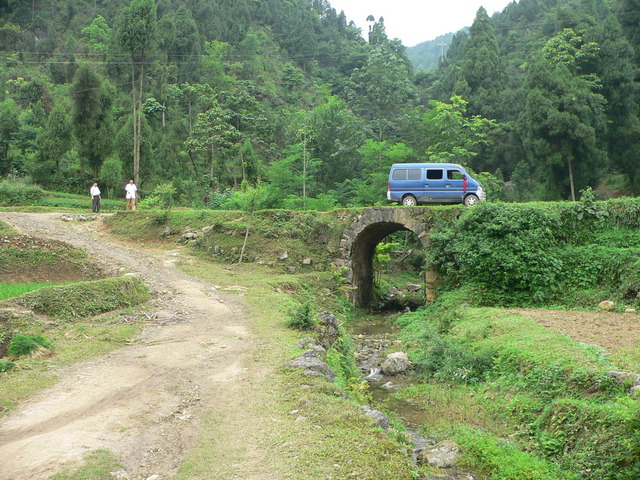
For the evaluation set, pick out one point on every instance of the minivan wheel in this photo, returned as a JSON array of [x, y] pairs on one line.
[[409, 201], [471, 200]]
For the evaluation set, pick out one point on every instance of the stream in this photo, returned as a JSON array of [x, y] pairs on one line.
[[371, 338]]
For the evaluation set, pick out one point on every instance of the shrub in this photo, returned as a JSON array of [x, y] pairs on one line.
[[12, 193], [301, 318], [533, 254], [502, 460]]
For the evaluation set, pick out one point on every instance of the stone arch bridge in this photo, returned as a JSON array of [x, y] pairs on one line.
[[370, 227]]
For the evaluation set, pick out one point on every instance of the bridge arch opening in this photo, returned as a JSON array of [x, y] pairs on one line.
[[362, 258]]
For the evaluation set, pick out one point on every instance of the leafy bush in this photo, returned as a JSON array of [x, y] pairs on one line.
[[539, 253], [301, 318], [602, 441], [22, 345], [13, 193]]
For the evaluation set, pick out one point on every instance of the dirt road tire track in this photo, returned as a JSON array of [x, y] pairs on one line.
[[144, 402]]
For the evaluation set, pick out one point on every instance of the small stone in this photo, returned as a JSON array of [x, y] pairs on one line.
[[607, 305]]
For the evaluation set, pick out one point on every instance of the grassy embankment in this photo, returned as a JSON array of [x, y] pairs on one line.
[[79, 324]]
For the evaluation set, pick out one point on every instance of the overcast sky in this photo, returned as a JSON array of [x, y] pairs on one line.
[[416, 21]]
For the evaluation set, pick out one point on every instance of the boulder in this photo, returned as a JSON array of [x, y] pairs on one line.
[[396, 363], [443, 455], [312, 364], [328, 330], [381, 419]]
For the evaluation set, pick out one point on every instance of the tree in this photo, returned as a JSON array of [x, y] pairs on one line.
[[98, 36], [85, 93], [482, 68], [338, 134], [211, 133], [55, 139], [561, 125], [384, 90], [8, 127], [452, 137], [91, 120], [136, 34]]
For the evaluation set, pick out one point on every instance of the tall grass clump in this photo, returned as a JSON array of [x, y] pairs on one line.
[[22, 345]]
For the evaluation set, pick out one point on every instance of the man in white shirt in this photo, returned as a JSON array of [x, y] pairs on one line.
[[95, 198], [131, 194]]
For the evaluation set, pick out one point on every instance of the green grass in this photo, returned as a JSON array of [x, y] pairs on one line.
[[98, 465], [489, 376], [10, 290], [86, 298], [6, 229]]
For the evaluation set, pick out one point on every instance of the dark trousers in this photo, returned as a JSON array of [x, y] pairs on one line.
[[95, 204]]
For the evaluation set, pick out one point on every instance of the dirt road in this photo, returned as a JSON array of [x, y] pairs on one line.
[[144, 402]]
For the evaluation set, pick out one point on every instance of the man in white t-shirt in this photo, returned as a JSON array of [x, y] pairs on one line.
[[94, 192], [131, 194]]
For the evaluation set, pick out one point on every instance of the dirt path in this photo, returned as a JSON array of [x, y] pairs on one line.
[[144, 402]]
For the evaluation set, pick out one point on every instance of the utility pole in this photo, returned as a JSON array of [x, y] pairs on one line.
[[441, 45]]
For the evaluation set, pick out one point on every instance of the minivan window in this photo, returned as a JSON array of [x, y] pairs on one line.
[[434, 174], [406, 174], [454, 174]]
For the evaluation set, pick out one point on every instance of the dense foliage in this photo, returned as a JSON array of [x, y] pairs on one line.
[[284, 104], [542, 253]]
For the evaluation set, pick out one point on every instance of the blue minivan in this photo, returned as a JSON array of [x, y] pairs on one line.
[[414, 183]]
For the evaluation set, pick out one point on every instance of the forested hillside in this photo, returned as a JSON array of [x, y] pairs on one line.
[[274, 103]]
